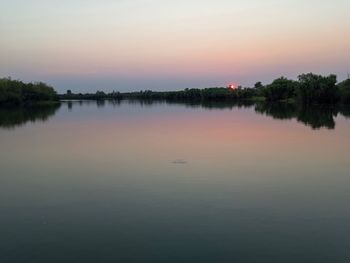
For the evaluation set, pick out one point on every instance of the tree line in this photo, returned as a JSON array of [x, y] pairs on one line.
[[15, 92], [308, 89]]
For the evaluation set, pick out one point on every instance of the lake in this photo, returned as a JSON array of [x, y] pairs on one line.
[[133, 181]]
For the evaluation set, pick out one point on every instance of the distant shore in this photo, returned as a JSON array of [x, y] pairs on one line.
[[310, 89]]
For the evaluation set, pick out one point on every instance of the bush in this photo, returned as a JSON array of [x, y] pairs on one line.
[[344, 90], [280, 89], [318, 89], [17, 92]]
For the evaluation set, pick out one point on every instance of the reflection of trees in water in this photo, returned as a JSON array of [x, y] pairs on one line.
[[70, 104], [318, 117], [345, 111], [207, 104], [226, 104], [210, 104], [279, 111], [17, 116], [314, 116]]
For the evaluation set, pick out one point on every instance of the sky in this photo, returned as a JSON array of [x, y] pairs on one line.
[[89, 45]]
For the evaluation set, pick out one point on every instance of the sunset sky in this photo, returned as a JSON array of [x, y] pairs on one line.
[[85, 45]]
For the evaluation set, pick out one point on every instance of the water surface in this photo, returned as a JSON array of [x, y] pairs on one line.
[[156, 182]]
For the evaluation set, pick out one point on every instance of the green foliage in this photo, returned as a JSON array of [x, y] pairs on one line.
[[99, 95], [258, 85], [318, 89], [208, 94], [344, 90], [280, 89], [217, 94], [14, 92]]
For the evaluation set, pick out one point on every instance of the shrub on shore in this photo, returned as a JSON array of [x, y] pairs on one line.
[[15, 92]]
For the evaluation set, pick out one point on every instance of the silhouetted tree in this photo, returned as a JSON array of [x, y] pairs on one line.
[[280, 89], [318, 89], [344, 90], [17, 92], [258, 85]]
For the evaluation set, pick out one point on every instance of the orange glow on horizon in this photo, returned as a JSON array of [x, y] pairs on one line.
[[232, 86]]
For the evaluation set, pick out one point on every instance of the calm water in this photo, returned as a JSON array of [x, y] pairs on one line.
[[138, 182]]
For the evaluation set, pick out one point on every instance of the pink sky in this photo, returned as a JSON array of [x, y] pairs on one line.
[[143, 44]]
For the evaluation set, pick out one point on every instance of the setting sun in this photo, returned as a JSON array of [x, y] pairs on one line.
[[232, 86]]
